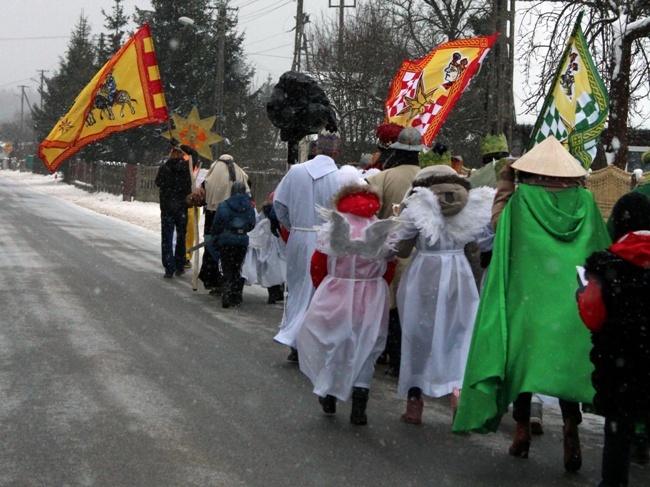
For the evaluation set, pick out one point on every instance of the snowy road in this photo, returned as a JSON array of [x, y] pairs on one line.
[[111, 375]]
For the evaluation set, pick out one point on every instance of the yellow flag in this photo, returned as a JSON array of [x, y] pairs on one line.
[[125, 93]]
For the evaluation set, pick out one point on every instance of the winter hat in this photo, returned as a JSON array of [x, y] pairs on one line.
[[365, 159], [177, 153], [550, 158], [328, 142], [645, 157], [408, 139], [630, 213], [387, 134], [357, 199], [432, 175], [438, 155], [238, 187]]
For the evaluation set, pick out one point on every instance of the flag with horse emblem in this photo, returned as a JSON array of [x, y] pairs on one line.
[[576, 107], [125, 93], [424, 91]]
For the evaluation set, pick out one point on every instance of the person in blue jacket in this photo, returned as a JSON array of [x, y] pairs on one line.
[[234, 218]]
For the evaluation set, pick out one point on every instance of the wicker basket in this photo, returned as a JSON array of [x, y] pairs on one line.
[[607, 186]]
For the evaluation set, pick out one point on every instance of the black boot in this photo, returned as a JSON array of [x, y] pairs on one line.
[[328, 403], [359, 403], [275, 294]]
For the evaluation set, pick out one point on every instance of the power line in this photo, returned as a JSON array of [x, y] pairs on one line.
[[32, 38]]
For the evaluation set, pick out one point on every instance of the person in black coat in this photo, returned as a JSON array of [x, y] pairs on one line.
[[173, 179], [233, 219], [615, 306]]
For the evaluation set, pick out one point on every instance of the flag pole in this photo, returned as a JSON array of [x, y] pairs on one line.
[[549, 94]]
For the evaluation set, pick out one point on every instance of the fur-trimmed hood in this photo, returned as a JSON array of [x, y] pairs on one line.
[[463, 227]]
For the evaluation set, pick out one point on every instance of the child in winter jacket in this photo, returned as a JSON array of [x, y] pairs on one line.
[[615, 307], [233, 219], [344, 329]]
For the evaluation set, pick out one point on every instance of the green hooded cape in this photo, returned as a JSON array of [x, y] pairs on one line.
[[528, 336]]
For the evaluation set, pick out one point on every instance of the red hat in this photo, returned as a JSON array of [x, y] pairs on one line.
[[387, 134]]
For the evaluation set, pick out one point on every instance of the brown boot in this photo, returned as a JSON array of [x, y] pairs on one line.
[[413, 414], [572, 451], [521, 440]]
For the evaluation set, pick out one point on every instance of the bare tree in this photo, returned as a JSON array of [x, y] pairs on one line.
[[618, 33], [432, 22], [357, 80]]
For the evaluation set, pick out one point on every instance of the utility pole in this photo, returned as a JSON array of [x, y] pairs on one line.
[[42, 71], [295, 65], [218, 88], [341, 6], [23, 96], [500, 98]]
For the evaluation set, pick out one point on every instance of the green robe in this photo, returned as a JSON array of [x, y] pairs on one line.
[[528, 336]]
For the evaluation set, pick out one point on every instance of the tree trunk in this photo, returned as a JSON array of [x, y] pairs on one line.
[[619, 97]]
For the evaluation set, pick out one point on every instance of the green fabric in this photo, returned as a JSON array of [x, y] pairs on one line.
[[485, 176], [528, 336]]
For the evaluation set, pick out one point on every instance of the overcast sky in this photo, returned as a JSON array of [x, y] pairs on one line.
[[34, 34]]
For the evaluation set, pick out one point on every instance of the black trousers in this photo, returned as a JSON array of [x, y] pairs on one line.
[[232, 259], [619, 434], [521, 409], [210, 274]]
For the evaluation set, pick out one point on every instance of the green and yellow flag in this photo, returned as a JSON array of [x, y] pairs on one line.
[[576, 107], [125, 93]]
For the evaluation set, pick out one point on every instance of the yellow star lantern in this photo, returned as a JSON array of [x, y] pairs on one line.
[[194, 132]]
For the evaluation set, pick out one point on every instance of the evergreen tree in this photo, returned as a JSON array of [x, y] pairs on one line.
[[75, 71], [115, 23]]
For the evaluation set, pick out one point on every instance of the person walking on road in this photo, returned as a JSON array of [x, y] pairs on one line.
[[527, 322], [175, 184], [305, 186]]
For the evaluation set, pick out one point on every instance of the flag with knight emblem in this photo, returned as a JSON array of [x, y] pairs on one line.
[[125, 93], [577, 105], [424, 91]]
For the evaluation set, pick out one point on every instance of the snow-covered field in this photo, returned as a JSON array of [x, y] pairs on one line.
[[146, 215]]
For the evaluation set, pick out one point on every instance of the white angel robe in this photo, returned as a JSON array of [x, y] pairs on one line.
[[265, 262], [437, 298], [344, 330], [306, 185]]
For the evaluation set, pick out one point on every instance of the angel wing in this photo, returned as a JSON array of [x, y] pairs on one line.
[[371, 243]]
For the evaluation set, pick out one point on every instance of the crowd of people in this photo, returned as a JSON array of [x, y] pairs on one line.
[[472, 287]]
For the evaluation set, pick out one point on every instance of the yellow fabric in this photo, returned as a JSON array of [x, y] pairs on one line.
[[125, 93]]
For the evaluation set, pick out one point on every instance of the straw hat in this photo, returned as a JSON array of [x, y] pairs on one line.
[[550, 158]]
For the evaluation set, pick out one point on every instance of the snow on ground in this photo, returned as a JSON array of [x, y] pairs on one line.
[[143, 214]]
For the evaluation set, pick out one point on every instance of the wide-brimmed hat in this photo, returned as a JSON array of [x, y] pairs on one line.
[[550, 158], [408, 139]]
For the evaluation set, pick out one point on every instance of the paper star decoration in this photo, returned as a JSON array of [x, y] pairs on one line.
[[194, 132]]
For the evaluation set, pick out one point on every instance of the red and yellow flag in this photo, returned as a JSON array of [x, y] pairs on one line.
[[424, 91], [125, 93]]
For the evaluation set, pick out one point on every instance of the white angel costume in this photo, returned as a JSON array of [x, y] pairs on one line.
[[437, 297], [345, 327], [265, 263]]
